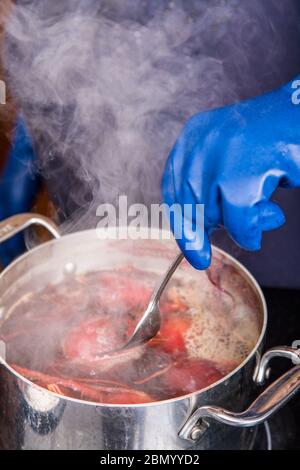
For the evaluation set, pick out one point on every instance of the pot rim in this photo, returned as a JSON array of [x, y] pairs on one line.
[[233, 260]]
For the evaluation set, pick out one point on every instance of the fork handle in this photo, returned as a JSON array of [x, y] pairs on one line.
[[161, 287]]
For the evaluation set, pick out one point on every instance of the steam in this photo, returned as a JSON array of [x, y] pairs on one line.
[[106, 85]]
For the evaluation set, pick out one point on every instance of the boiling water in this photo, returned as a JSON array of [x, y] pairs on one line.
[[61, 336]]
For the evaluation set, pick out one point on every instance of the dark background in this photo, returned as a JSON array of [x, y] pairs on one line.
[[279, 262], [283, 329]]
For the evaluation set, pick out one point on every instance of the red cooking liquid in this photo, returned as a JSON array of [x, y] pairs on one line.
[[61, 338]]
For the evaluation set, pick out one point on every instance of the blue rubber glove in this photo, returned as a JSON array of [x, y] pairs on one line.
[[231, 160], [18, 187]]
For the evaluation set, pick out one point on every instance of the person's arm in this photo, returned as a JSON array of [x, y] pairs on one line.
[[231, 160], [18, 186]]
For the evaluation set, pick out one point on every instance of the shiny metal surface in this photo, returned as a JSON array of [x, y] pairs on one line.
[[280, 351], [20, 222], [34, 418], [149, 324], [268, 402]]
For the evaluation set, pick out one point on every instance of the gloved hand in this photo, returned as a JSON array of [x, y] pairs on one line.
[[231, 160], [18, 187]]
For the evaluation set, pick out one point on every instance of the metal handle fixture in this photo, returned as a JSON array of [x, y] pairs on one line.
[[268, 402], [287, 352], [17, 223]]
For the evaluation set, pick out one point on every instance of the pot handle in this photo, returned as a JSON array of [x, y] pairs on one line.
[[17, 223], [268, 402]]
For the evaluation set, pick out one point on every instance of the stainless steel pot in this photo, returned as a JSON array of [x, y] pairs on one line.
[[222, 416]]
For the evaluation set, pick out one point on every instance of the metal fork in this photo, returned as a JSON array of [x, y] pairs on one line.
[[150, 323]]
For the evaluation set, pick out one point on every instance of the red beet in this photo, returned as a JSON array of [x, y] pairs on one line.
[[191, 375], [90, 339]]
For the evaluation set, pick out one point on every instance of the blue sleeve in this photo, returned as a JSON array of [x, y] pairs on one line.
[[18, 186]]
